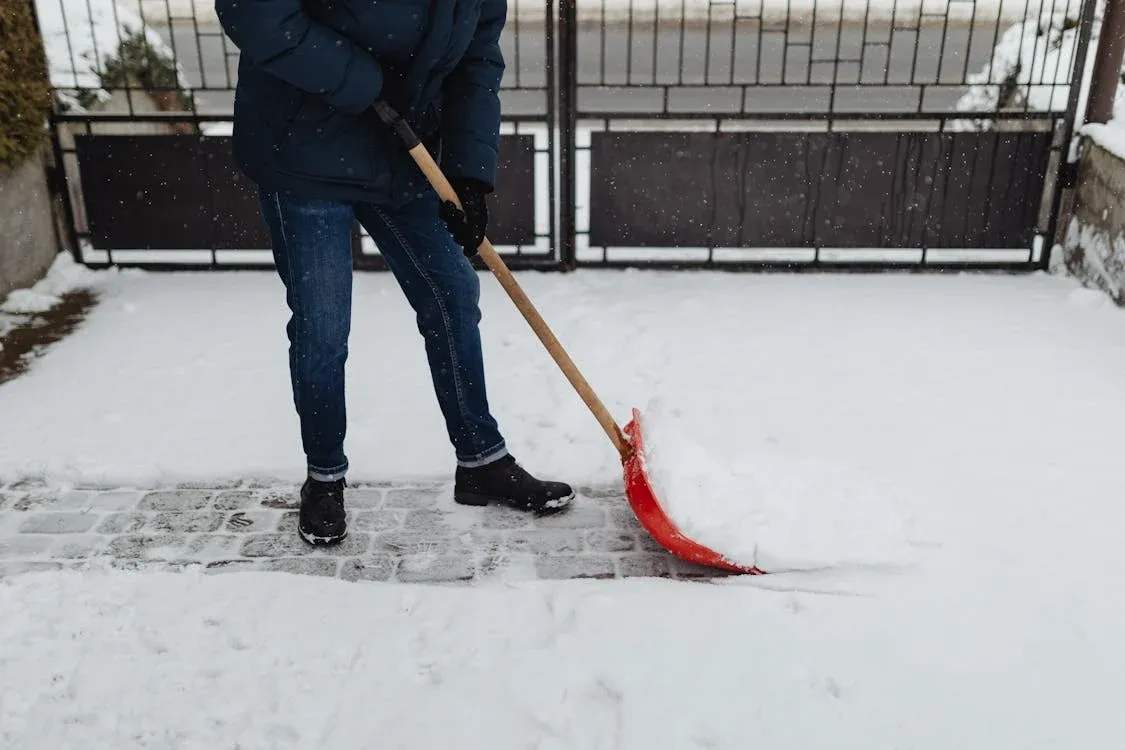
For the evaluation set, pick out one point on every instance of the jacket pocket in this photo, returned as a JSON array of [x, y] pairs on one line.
[[329, 146]]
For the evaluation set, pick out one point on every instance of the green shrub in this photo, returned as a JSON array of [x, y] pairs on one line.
[[139, 65], [25, 88]]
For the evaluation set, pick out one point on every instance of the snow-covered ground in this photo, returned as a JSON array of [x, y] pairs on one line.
[[188, 372], [969, 657], [978, 417]]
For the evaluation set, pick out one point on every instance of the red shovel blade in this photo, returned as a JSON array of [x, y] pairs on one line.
[[647, 507]]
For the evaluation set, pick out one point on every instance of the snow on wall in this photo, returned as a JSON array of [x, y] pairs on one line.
[[1093, 248], [1111, 135], [1095, 257]]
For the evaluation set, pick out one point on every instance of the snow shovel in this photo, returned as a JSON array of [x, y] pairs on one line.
[[638, 490]]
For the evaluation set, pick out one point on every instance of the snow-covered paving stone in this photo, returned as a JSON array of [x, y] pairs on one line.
[[442, 543], [246, 522], [176, 500], [369, 568], [24, 546], [574, 566], [123, 523], [58, 523]]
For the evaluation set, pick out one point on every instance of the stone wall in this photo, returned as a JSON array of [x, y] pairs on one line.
[[1092, 247], [28, 241]]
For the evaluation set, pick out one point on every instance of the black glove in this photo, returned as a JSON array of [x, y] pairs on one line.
[[467, 226], [395, 88]]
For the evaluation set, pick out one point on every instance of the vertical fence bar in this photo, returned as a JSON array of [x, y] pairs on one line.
[[58, 182], [551, 94], [1082, 47], [568, 103]]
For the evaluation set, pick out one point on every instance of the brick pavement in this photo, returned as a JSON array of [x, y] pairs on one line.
[[403, 534]]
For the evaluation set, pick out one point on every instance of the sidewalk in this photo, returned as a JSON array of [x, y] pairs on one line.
[[405, 534]]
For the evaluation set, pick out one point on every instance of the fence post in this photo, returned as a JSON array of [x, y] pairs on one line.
[[1107, 63]]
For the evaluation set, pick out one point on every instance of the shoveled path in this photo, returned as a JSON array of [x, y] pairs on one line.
[[405, 534]]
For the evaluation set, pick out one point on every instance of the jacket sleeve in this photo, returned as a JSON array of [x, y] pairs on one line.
[[279, 37], [470, 126]]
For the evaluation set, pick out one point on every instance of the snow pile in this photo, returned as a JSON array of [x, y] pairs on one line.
[[1110, 135], [1030, 67], [80, 36], [760, 506], [1091, 254], [62, 277]]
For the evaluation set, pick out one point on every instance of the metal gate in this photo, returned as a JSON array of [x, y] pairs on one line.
[[142, 129], [725, 133], [817, 132]]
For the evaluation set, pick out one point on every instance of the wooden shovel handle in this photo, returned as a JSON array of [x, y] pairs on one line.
[[496, 264]]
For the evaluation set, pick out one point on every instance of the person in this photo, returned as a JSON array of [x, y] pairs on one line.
[[306, 134]]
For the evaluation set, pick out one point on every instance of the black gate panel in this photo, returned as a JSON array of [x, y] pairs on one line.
[[237, 217], [816, 190], [146, 192], [167, 192], [702, 189], [184, 192], [511, 207]]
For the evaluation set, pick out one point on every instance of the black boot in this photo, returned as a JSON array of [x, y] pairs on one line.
[[505, 481], [322, 520]]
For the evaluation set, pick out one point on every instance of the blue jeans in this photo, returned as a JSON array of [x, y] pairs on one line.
[[312, 248]]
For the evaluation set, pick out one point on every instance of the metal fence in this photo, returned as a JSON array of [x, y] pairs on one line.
[[713, 132], [882, 132]]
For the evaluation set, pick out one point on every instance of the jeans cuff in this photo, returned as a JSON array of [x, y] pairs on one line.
[[483, 458], [328, 475]]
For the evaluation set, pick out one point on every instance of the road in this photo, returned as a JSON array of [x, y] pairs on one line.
[[624, 70]]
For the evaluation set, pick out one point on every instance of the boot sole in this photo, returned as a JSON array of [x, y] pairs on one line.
[[321, 541], [479, 501]]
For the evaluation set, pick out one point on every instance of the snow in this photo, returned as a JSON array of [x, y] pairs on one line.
[[188, 372], [1110, 135], [62, 277], [759, 506], [973, 421], [1099, 256], [861, 411], [78, 35], [266, 660], [1031, 63]]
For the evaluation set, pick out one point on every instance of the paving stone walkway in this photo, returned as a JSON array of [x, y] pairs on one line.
[[404, 534]]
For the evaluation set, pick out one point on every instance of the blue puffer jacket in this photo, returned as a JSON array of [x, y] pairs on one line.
[[310, 69]]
